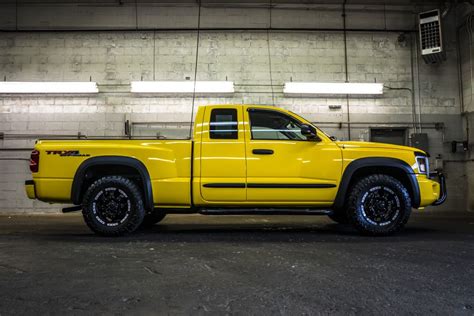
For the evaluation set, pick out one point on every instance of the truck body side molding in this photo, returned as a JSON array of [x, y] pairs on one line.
[[290, 185], [271, 185], [224, 185]]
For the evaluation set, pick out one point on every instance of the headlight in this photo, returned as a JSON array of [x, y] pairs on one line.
[[423, 164]]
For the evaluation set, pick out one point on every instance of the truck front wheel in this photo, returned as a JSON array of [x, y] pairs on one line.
[[113, 206], [379, 204]]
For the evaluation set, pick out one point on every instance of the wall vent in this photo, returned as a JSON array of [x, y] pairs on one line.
[[431, 38]]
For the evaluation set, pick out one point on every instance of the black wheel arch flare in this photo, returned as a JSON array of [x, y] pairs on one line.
[[77, 184], [381, 162]]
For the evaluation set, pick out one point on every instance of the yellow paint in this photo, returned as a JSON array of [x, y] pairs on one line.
[[30, 191], [53, 189], [429, 190], [167, 161], [221, 161], [293, 162], [229, 161]]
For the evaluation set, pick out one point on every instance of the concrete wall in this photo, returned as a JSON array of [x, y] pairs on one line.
[[467, 85], [146, 14], [113, 59]]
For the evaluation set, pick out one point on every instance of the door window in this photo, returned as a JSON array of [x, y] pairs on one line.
[[223, 124], [273, 125]]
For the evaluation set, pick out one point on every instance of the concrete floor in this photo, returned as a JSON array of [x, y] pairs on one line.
[[195, 264]]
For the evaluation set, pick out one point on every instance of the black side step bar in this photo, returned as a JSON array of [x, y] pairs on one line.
[[72, 209], [271, 211]]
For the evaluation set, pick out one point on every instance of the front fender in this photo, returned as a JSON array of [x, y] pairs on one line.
[[377, 162]]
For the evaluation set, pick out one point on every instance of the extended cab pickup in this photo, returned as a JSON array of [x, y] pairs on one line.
[[243, 159]]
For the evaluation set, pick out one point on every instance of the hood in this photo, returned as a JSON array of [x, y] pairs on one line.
[[356, 144]]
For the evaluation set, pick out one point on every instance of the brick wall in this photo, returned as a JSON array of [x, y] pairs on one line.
[[113, 59]]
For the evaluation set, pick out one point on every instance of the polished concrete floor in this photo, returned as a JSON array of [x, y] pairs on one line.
[[195, 264]]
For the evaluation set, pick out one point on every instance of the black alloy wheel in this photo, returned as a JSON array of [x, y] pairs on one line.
[[113, 206], [378, 204]]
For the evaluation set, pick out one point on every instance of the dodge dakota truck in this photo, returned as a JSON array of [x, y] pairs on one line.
[[242, 159]]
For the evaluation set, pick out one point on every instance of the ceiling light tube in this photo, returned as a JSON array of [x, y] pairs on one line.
[[331, 88], [182, 87], [48, 87]]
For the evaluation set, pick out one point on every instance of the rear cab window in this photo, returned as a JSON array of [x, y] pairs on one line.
[[223, 124]]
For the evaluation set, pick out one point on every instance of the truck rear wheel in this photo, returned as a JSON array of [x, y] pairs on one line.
[[379, 205], [113, 206]]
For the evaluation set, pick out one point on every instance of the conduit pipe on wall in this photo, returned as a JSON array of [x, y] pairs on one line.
[[345, 68], [468, 25], [417, 64], [269, 52], [209, 29], [195, 68], [412, 73]]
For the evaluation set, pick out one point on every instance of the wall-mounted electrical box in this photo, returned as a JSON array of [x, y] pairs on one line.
[[431, 37], [420, 140], [459, 146]]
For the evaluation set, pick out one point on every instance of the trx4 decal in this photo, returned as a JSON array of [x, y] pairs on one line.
[[67, 153]]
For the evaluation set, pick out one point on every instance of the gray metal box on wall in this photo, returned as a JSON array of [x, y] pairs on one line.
[[420, 140]]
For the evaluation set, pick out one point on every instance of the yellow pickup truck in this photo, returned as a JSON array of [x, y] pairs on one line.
[[243, 159]]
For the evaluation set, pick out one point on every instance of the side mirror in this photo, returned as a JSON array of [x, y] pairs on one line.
[[309, 132]]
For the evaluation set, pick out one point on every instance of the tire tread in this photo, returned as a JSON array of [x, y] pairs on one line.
[[136, 217], [353, 208]]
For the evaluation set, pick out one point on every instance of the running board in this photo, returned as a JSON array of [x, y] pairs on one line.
[[72, 209], [269, 211]]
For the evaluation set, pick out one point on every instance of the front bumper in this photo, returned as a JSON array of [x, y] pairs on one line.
[[432, 189], [443, 193], [30, 189]]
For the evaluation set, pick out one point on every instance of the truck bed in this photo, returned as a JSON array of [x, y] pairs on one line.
[[168, 163]]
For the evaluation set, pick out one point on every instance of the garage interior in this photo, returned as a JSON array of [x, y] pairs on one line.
[[192, 264]]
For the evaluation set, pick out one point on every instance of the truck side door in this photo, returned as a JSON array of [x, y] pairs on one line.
[[283, 166], [223, 168]]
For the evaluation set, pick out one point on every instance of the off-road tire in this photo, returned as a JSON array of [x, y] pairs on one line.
[[153, 218], [113, 206], [339, 216], [378, 205]]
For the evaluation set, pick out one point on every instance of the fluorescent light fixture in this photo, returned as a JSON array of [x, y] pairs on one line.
[[317, 88], [183, 87], [48, 87]]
